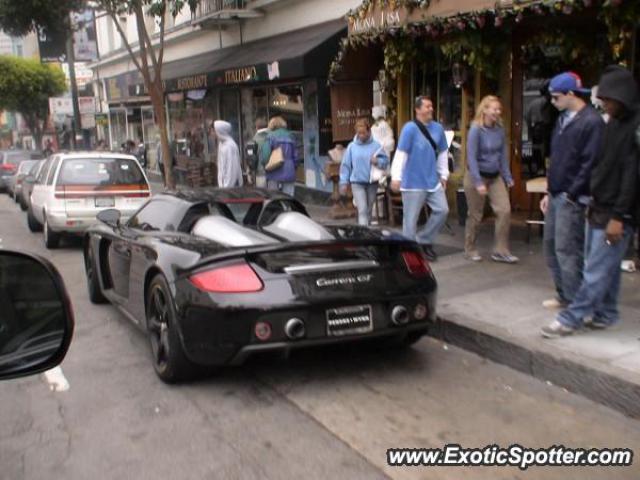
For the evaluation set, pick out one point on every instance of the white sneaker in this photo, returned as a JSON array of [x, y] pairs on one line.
[[553, 304], [556, 329]]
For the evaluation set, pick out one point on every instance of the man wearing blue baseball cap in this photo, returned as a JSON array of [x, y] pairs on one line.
[[575, 143], [613, 211]]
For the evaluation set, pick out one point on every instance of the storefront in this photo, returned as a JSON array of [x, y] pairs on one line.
[[457, 52], [130, 115], [282, 75]]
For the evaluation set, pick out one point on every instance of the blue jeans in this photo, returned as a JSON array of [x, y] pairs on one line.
[[364, 195], [598, 294], [284, 187], [412, 203], [564, 226]]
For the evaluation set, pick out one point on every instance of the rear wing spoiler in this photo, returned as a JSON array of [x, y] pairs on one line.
[[276, 248]]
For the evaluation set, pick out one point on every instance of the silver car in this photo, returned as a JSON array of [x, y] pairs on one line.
[[16, 181], [72, 188]]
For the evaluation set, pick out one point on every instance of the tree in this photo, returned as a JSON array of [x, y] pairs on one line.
[[25, 87], [19, 17], [148, 58]]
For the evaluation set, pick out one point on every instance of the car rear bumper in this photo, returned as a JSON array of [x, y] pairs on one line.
[[61, 222], [284, 348], [219, 337]]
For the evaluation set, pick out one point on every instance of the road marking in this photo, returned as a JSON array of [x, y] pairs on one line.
[[56, 380]]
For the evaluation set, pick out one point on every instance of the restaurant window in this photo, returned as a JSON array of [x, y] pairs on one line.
[[230, 111], [255, 105], [186, 114]]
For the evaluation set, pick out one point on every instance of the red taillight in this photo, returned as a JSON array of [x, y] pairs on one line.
[[232, 279], [92, 191], [8, 167], [416, 263]]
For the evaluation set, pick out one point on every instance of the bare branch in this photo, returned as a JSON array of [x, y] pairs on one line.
[[161, 54], [144, 34]]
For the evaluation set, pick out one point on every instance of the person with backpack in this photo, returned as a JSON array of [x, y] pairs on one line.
[[420, 170]]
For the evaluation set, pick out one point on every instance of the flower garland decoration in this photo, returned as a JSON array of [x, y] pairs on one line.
[[458, 33]]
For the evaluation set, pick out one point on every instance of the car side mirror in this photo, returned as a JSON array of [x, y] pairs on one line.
[[36, 318], [110, 217]]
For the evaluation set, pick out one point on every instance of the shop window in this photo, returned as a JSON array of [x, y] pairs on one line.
[[255, 106], [187, 126], [118, 119], [230, 111]]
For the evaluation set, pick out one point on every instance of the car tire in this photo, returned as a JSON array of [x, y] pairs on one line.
[[51, 239], [169, 360], [93, 282], [23, 204], [33, 224]]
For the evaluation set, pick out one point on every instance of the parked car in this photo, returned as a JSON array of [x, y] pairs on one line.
[[9, 162], [16, 181], [214, 276], [24, 194], [72, 188]]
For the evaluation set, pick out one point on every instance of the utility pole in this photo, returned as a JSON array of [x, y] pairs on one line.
[[76, 124]]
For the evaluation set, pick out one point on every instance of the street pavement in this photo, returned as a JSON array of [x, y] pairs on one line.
[[329, 413]]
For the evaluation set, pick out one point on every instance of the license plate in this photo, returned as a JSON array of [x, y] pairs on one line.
[[349, 320], [105, 201]]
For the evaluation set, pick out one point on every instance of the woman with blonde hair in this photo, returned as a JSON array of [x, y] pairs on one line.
[[282, 177], [488, 175]]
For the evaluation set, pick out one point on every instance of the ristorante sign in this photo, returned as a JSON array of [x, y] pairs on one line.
[[241, 75]]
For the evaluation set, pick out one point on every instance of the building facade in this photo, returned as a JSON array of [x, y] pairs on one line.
[[457, 52], [238, 61]]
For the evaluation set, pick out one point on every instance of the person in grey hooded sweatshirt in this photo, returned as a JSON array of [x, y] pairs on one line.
[[229, 165], [613, 211]]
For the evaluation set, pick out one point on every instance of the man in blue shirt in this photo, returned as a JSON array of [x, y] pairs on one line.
[[575, 144], [420, 171]]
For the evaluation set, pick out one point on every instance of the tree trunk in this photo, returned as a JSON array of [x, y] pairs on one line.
[[34, 128], [156, 93]]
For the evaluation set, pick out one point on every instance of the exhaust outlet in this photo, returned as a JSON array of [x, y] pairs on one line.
[[400, 315], [295, 329]]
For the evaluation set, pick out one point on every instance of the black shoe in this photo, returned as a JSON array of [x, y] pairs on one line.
[[429, 252]]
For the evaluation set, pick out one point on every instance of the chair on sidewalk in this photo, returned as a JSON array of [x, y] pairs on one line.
[[536, 188]]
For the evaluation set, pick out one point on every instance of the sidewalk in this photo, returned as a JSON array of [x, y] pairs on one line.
[[495, 310]]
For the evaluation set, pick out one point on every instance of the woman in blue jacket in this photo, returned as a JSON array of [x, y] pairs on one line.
[[361, 154]]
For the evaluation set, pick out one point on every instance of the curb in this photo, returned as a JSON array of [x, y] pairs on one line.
[[578, 377]]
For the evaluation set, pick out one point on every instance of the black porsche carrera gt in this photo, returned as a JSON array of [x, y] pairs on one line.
[[216, 275]]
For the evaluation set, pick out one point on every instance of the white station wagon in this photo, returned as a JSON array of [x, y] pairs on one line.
[[72, 188]]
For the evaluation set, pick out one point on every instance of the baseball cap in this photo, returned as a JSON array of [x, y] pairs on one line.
[[567, 82]]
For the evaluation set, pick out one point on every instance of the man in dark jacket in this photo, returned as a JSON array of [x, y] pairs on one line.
[[613, 212], [575, 143]]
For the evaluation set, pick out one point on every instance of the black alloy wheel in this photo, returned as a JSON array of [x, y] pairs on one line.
[[169, 360]]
